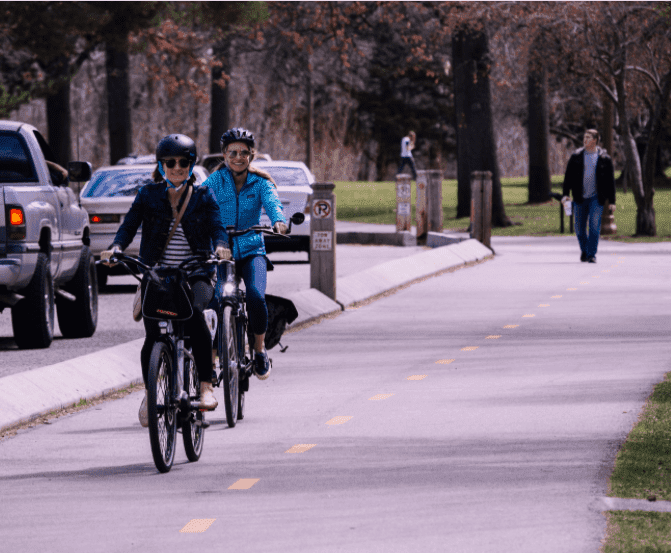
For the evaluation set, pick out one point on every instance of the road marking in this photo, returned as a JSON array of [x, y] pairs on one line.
[[338, 420], [606, 271], [511, 326], [584, 282], [378, 397], [571, 289], [244, 484], [470, 348], [555, 297], [300, 448], [530, 315], [444, 361], [197, 525], [493, 337], [416, 377], [544, 305]]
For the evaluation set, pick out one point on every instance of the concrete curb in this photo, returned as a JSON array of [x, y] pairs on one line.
[[57, 386]]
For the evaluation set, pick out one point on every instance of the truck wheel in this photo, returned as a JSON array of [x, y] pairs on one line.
[[79, 318], [33, 316]]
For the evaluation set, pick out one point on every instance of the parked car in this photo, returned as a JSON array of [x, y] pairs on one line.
[[293, 180], [45, 262], [107, 197]]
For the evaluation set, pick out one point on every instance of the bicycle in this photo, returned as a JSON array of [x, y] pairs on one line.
[[236, 361], [173, 385]]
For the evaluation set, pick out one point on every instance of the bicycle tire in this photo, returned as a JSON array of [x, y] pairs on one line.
[[193, 433], [228, 364], [160, 409]]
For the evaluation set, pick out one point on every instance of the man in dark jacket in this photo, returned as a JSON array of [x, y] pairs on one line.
[[591, 180]]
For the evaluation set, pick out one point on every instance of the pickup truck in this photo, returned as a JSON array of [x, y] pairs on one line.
[[45, 261]]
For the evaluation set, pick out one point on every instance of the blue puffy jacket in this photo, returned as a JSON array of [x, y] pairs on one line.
[[243, 210]]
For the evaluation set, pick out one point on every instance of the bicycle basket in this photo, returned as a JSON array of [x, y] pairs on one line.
[[167, 295]]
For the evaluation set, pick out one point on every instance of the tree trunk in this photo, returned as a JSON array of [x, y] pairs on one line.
[[476, 144], [58, 124], [645, 212], [118, 102], [539, 163], [219, 121], [655, 134], [309, 143]]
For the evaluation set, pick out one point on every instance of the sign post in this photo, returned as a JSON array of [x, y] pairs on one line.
[[323, 239], [403, 190], [481, 206]]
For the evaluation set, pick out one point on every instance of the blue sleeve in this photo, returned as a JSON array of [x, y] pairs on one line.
[[131, 222], [271, 202]]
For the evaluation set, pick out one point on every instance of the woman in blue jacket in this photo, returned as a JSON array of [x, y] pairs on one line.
[[241, 194]]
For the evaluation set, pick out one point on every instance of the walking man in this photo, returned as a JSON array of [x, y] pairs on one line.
[[407, 145], [590, 177]]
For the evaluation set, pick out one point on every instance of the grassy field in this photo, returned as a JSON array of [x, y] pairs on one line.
[[375, 202]]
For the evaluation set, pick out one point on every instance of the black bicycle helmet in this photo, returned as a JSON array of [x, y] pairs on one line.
[[175, 145], [237, 134]]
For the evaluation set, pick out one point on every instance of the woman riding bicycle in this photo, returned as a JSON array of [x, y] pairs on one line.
[[156, 208], [241, 194]]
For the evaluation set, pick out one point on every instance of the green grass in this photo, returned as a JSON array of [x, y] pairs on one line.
[[643, 469], [375, 202]]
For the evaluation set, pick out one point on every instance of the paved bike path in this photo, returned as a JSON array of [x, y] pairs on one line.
[[56, 386]]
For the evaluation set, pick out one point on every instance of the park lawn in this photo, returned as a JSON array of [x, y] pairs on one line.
[[375, 202]]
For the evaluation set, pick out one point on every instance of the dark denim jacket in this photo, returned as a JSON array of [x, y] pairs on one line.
[[201, 222]]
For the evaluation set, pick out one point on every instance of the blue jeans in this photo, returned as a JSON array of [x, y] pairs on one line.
[[254, 272], [408, 161], [588, 216]]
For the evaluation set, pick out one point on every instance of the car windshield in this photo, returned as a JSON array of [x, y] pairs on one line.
[[117, 183], [287, 176]]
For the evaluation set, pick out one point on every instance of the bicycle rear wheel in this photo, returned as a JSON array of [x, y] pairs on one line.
[[193, 432], [161, 410], [228, 364]]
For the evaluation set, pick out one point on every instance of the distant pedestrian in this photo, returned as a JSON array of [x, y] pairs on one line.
[[590, 177], [407, 145]]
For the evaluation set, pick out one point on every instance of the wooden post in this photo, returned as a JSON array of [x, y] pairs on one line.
[[481, 206], [323, 239], [435, 201], [421, 208], [608, 225], [403, 190]]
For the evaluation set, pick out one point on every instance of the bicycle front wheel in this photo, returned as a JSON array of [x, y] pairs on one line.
[[229, 366], [193, 432], [161, 410]]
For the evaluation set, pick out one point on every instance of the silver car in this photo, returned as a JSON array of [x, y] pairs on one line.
[[294, 181], [107, 197]]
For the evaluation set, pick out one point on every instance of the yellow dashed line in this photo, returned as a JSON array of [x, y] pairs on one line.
[[379, 397], [244, 484], [470, 348], [444, 361], [556, 297], [606, 271], [197, 525], [416, 377], [544, 305], [584, 282], [529, 315], [571, 289], [511, 326], [300, 448], [338, 420], [493, 337]]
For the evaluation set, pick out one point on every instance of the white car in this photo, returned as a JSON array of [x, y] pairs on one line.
[[294, 181], [107, 197]]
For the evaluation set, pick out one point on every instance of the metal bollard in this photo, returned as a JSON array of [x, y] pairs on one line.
[[403, 192], [323, 239], [481, 206]]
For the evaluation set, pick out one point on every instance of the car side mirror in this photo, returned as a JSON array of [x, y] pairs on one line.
[[297, 218], [79, 171]]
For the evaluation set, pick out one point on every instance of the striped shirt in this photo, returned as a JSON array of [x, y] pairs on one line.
[[178, 248]]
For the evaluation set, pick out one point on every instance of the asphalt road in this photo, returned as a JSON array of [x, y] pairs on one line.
[[480, 411]]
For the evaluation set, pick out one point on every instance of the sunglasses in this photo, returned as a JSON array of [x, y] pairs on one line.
[[170, 163], [243, 153]]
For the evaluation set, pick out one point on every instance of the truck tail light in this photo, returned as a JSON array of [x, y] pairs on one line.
[[101, 218], [16, 230]]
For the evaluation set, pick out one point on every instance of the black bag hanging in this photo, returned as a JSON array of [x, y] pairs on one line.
[[168, 295]]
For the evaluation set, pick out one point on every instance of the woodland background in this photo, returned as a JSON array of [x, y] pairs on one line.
[[500, 86]]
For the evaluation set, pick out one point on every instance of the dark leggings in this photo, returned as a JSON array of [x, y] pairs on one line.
[[195, 328]]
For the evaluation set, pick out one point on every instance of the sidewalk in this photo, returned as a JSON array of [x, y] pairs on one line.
[[363, 272]]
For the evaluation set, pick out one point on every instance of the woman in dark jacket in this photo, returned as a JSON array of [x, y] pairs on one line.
[[155, 208]]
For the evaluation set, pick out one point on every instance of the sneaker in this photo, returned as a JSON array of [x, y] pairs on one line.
[[207, 400], [142, 414], [583, 257], [262, 365], [592, 259]]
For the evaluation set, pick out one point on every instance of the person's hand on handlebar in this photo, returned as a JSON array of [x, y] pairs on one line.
[[107, 254], [222, 253], [280, 227]]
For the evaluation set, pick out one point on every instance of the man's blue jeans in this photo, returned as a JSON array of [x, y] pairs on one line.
[[588, 217]]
